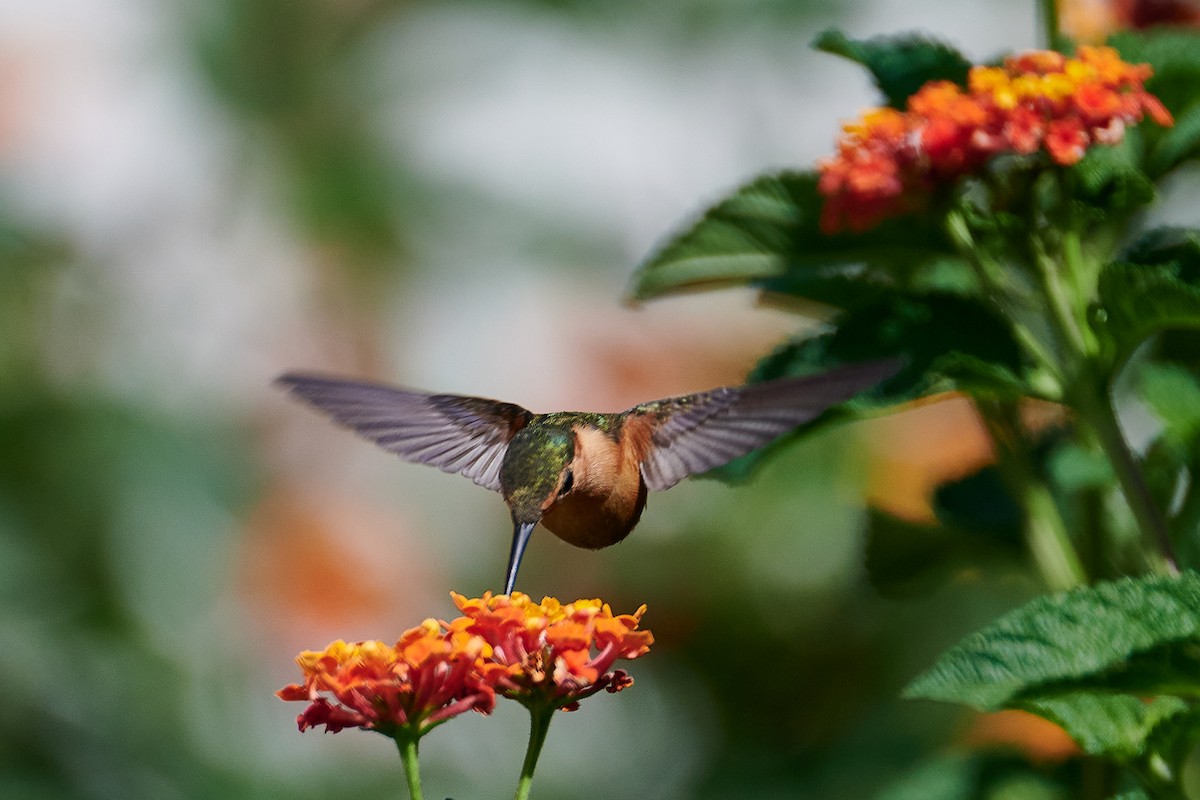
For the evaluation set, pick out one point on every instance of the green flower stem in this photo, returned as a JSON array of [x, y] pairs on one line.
[[989, 275], [1067, 322], [1045, 532], [1087, 392], [407, 745], [1082, 274], [1049, 543], [1097, 411], [1049, 15], [539, 725]]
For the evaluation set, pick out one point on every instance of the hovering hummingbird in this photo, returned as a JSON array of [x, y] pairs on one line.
[[583, 475]]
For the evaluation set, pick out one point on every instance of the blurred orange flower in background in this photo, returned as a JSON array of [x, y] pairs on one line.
[[1093, 20]]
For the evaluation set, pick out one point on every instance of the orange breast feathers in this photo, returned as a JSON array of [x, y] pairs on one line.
[[608, 494]]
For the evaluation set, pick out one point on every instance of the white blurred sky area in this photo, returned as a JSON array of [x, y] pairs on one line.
[[194, 287]]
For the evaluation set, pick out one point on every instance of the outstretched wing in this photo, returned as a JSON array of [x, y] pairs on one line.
[[698, 432], [466, 435]]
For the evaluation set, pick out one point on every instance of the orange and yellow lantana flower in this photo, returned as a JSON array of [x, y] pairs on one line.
[[427, 677], [544, 653], [549, 651], [888, 161]]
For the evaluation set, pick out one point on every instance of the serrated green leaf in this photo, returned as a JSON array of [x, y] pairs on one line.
[[1138, 300], [1177, 144], [770, 229], [1111, 177], [1113, 725], [1173, 394], [937, 334], [1168, 669], [900, 65], [1065, 636], [1174, 54], [942, 336]]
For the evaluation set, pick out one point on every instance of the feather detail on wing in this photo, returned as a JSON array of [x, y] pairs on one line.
[[464, 435], [698, 432]]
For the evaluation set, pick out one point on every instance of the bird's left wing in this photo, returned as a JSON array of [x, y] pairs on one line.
[[465, 435], [686, 435]]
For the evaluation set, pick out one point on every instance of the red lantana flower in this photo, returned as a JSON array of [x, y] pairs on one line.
[[551, 652], [889, 161], [426, 678]]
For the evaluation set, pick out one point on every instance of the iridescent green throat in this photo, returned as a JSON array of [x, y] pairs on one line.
[[532, 465]]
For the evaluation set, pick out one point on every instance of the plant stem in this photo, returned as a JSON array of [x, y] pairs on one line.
[[1045, 533], [539, 725], [1049, 15], [407, 745], [1098, 412], [986, 272], [1048, 540], [1088, 393]]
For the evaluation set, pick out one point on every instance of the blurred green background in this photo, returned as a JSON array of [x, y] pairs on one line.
[[195, 197]]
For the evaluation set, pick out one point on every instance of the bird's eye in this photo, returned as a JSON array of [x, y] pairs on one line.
[[568, 482]]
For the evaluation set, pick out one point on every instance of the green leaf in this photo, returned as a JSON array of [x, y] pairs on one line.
[[900, 65], [1168, 669], [770, 229], [1113, 725], [1177, 144], [947, 342], [1111, 177], [1137, 301], [1174, 55], [1173, 394], [942, 337], [1062, 637]]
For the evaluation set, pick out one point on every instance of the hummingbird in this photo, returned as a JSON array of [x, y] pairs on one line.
[[583, 475]]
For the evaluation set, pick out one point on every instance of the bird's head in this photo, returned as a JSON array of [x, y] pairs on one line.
[[536, 471]]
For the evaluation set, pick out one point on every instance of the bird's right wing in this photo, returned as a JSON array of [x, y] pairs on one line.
[[694, 433], [465, 435]]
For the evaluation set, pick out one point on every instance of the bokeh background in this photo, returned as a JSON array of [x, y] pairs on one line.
[[196, 197]]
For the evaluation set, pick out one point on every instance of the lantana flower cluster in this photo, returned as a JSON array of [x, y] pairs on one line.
[[545, 652], [889, 160], [549, 652]]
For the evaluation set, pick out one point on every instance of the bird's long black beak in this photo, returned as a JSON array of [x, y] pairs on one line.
[[521, 533]]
